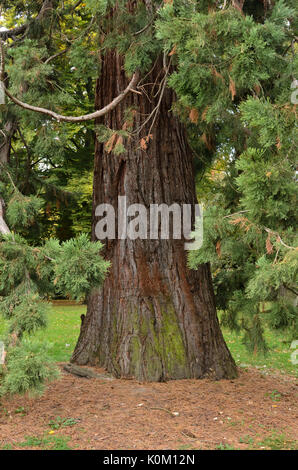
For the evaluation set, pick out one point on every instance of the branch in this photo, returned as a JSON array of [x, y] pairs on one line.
[[59, 117], [2, 62], [235, 213], [238, 4], [56, 55], [150, 22], [276, 234], [155, 111], [86, 117], [11, 33], [268, 230]]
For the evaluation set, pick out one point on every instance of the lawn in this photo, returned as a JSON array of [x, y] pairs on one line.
[[62, 331], [278, 357], [256, 411], [64, 327]]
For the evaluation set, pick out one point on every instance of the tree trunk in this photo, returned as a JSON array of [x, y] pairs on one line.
[[153, 319]]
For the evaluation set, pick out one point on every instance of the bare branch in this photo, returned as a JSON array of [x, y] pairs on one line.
[[276, 234], [60, 117], [11, 33], [86, 117], [56, 55], [155, 111]]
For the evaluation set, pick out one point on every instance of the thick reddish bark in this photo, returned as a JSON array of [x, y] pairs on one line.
[[153, 319]]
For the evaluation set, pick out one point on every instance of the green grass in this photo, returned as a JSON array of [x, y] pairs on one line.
[[44, 442], [62, 331], [278, 442], [274, 441], [278, 357], [47, 442], [64, 327], [222, 446], [59, 422]]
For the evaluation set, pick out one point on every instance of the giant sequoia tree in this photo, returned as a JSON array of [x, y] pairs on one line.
[[181, 87], [153, 318]]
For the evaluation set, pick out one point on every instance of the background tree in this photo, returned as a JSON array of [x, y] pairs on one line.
[[33, 180]]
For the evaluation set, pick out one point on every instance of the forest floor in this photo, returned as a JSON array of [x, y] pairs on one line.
[[258, 410]]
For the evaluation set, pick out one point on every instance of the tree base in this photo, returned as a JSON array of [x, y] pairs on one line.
[[154, 338]]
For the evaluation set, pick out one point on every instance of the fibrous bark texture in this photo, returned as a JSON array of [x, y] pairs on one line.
[[154, 319]]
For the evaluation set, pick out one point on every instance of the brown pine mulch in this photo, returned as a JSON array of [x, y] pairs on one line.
[[182, 414]]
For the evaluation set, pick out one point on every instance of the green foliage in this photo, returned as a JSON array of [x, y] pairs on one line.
[[22, 210], [28, 316], [61, 332], [28, 369], [47, 442], [83, 63], [41, 147], [28, 275], [222, 446], [80, 186], [233, 72], [278, 441], [79, 267], [59, 422], [98, 6]]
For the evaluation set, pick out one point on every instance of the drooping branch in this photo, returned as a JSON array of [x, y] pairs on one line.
[[86, 117], [56, 55], [60, 117], [278, 238], [47, 5]]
